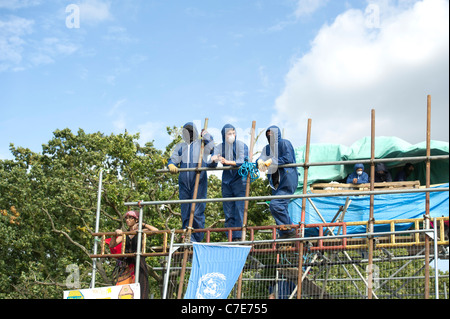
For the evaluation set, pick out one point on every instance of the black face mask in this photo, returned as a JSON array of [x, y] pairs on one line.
[[268, 135], [272, 139], [190, 130]]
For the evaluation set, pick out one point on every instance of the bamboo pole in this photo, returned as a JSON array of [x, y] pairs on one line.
[[191, 217], [427, 202], [302, 220], [247, 194], [247, 189], [371, 218]]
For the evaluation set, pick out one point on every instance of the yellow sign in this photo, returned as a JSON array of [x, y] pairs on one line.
[[75, 294], [130, 291]]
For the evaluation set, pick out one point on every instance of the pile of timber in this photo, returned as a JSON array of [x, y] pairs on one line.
[[334, 187]]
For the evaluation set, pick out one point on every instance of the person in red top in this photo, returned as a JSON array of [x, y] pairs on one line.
[[114, 250], [123, 273]]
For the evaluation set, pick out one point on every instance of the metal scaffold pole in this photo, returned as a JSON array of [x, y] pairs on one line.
[[302, 221], [139, 245], [427, 203], [97, 223], [349, 162], [296, 196], [371, 218]]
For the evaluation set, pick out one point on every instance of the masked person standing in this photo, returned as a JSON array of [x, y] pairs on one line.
[[283, 181], [186, 155], [232, 152]]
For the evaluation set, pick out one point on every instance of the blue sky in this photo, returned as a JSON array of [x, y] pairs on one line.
[[143, 65]]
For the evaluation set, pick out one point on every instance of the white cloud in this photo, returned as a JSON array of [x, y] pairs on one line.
[[120, 35], [150, 131], [303, 9], [12, 43], [18, 4], [354, 66], [264, 77], [116, 107], [307, 7], [21, 49], [47, 49], [94, 11], [232, 99], [119, 120]]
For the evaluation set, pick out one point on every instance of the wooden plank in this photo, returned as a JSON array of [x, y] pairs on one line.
[[341, 187]]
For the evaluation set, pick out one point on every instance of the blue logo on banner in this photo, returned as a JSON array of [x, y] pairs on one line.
[[215, 270]]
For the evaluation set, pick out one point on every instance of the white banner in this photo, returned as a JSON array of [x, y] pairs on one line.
[[131, 291]]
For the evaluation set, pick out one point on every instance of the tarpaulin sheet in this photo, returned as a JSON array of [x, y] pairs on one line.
[[386, 207], [385, 147]]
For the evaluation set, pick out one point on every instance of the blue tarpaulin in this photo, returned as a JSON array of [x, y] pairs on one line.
[[386, 207], [215, 269]]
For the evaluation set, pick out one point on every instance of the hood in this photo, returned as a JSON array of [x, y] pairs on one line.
[[228, 147], [358, 166], [189, 126], [380, 167], [276, 131], [225, 129]]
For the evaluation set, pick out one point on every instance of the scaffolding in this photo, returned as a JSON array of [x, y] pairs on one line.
[[312, 267]]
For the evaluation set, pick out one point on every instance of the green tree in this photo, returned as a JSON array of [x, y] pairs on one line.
[[48, 204], [52, 197]]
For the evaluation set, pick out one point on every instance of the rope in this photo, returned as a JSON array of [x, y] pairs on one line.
[[249, 168]]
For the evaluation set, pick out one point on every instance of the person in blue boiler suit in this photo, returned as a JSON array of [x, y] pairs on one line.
[[186, 155], [283, 181], [382, 174], [358, 176], [232, 152]]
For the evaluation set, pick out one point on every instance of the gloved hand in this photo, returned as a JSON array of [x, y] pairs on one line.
[[261, 165], [268, 162], [215, 158], [172, 168]]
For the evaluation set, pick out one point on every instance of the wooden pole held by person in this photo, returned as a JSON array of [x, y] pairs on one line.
[[187, 238], [247, 194]]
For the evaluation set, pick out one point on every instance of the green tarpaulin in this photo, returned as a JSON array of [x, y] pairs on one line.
[[385, 147]]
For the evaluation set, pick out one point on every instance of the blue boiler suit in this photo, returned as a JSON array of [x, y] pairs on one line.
[[362, 179], [232, 183], [283, 181], [385, 176], [186, 155]]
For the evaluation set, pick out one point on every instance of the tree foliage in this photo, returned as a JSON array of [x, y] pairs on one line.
[[48, 204]]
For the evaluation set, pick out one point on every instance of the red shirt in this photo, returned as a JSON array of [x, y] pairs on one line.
[[114, 250]]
